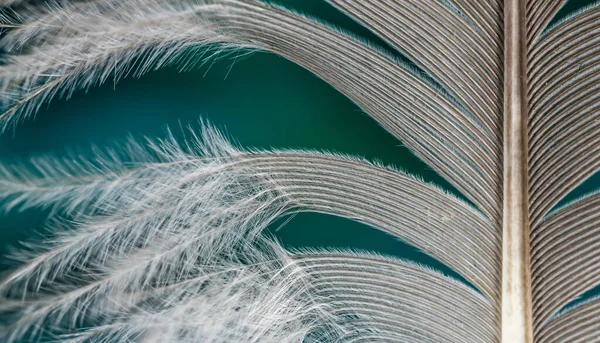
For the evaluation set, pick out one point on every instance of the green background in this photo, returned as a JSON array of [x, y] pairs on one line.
[[261, 100]]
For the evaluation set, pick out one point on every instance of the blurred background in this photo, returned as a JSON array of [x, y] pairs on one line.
[[260, 100]]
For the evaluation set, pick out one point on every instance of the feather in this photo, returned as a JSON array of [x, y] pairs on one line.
[[400, 299], [464, 155], [539, 15], [118, 212], [563, 127], [564, 256], [262, 299], [576, 325], [562, 76], [166, 246], [160, 238], [468, 65], [149, 235], [393, 202], [385, 198]]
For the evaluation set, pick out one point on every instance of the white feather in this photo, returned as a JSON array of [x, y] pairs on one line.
[[166, 249]]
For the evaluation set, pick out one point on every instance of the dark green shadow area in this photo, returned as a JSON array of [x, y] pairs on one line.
[[592, 293], [569, 8], [590, 185], [16, 228]]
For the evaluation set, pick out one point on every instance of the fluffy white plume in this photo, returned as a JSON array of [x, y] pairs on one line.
[[265, 300], [73, 45], [120, 206], [164, 248]]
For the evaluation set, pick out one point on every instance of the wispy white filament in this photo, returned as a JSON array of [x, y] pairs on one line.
[[164, 252]]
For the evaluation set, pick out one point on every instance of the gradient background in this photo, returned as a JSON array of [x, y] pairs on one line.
[[261, 100]]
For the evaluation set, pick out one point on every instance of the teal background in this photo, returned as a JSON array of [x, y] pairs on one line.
[[261, 100]]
